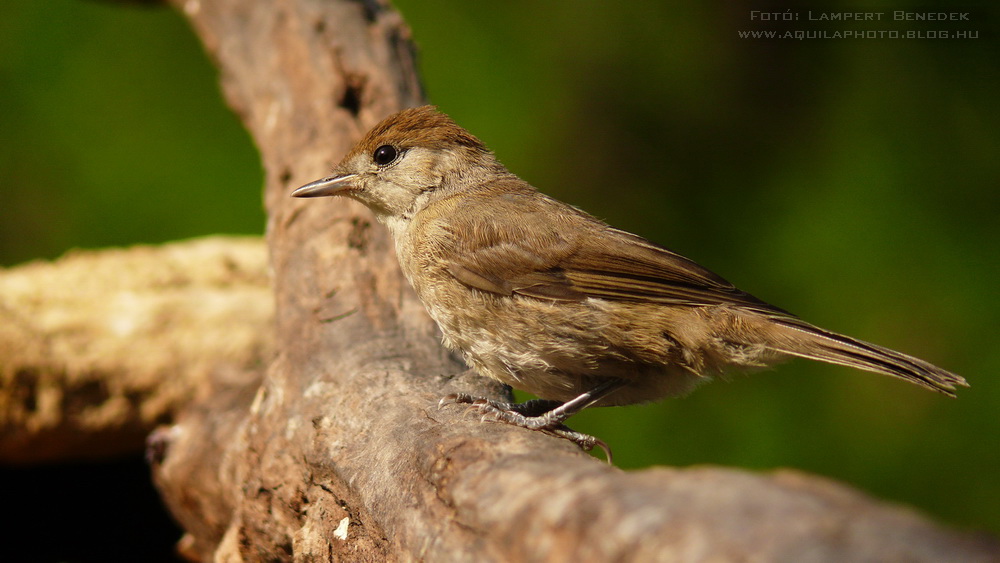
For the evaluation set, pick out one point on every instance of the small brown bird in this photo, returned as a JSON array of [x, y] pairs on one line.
[[548, 299]]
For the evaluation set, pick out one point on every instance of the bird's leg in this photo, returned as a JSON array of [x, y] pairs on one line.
[[540, 414], [537, 414]]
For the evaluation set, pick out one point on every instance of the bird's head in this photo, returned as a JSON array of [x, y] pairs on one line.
[[404, 161]]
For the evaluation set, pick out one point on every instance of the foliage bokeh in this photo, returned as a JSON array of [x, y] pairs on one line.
[[853, 182]]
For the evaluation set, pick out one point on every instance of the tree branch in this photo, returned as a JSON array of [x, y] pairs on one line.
[[342, 454], [100, 347]]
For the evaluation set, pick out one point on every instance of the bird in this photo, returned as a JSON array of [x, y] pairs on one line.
[[548, 299]]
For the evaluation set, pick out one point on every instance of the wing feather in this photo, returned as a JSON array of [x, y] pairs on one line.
[[562, 254]]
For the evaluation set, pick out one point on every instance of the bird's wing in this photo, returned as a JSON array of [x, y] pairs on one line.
[[552, 256], [622, 266]]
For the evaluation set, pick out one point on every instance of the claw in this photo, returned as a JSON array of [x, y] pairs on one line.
[[606, 449], [453, 398]]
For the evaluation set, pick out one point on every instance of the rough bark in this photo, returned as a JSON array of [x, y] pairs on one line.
[[341, 452], [98, 348]]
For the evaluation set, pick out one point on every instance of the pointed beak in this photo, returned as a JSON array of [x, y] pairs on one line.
[[333, 185]]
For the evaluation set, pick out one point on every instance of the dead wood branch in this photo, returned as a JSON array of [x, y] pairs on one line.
[[341, 452], [98, 348]]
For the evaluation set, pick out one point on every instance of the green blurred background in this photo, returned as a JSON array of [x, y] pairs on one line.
[[853, 182]]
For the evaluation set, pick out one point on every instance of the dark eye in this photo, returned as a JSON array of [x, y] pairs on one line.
[[385, 154]]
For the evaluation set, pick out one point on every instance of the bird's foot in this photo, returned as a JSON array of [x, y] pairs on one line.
[[538, 414]]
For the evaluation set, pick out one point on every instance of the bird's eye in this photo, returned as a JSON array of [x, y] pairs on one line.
[[385, 154]]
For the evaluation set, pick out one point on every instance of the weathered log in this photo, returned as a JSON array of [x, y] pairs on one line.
[[341, 453]]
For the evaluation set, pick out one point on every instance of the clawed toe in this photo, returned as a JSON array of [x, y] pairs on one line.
[[454, 398], [466, 399], [586, 442], [533, 415]]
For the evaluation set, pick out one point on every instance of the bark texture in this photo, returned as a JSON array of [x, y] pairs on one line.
[[340, 453], [98, 348]]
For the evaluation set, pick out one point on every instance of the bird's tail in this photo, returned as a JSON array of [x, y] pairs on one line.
[[799, 338]]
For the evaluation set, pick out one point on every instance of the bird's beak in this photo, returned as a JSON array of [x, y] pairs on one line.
[[333, 185]]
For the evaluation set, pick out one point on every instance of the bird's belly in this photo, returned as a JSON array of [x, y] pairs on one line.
[[556, 350]]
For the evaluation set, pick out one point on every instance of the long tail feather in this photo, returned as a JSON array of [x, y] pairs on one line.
[[808, 341]]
